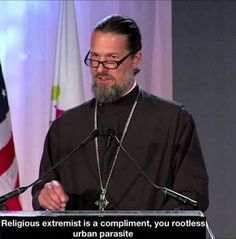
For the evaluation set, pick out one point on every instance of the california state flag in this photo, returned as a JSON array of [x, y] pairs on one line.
[[67, 90]]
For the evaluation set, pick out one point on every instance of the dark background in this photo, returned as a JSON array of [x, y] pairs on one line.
[[204, 78]]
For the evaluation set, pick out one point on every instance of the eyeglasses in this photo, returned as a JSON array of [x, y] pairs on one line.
[[106, 64]]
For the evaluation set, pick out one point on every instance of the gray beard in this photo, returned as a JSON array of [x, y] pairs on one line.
[[105, 94]]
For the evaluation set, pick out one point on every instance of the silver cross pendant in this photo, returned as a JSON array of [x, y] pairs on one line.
[[102, 202]]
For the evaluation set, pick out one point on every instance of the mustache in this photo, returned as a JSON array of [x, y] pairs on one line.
[[103, 74]]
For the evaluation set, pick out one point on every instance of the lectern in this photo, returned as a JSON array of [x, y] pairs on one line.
[[103, 224]]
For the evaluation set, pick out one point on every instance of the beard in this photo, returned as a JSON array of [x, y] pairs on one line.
[[106, 93]]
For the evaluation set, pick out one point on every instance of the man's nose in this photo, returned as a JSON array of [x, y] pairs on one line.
[[101, 68]]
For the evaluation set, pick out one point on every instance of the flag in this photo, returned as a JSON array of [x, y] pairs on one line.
[[9, 177], [67, 90]]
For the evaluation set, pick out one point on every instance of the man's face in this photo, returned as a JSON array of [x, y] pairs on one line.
[[110, 84]]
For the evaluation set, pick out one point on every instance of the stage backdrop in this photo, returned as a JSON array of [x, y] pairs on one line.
[[204, 77], [28, 40], [204, 56]]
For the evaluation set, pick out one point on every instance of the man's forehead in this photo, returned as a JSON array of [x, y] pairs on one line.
[[108, 40]]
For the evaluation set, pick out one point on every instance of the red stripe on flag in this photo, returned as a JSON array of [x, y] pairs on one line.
[[13, 204], [59, 112], [7, 155]]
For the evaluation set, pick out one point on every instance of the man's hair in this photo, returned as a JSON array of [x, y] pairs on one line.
[[122, 25]]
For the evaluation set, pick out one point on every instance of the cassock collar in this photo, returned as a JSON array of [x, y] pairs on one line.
[[127, 99]]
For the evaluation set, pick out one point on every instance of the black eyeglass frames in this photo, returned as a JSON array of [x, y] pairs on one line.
[[106, 64]]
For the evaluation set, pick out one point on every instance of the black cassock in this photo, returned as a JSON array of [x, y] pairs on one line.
[[161, 138]]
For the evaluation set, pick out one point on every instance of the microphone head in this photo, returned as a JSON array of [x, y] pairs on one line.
[[111, 132]]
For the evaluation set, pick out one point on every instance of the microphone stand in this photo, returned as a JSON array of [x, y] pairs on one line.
[[20, 190], [177, 196]]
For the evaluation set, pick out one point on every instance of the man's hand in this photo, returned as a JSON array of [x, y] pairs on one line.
[[53, 196]]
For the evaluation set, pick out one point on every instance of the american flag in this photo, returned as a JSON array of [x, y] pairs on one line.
[[9, 177]]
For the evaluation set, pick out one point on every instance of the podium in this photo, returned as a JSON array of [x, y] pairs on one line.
[[103, 224]]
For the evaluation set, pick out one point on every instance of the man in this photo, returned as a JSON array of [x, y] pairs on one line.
[[159, 135]]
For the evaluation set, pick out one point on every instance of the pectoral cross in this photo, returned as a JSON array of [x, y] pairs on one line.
[[102, 202]]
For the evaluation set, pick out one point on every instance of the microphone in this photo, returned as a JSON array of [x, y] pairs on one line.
[[108, 141], [173, 194], [20, 190]]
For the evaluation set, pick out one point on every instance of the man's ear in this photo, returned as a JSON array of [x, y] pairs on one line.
[[137, 59]]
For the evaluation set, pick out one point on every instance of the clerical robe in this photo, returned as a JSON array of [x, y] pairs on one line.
[[161, 137]]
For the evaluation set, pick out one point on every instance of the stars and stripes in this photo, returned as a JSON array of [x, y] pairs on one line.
[[9, 177]]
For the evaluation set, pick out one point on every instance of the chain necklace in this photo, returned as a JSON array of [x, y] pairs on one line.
[[102, 202]]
